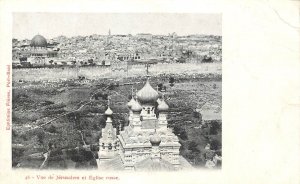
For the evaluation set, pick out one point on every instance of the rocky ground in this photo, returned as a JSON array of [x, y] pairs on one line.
[[62, 111]]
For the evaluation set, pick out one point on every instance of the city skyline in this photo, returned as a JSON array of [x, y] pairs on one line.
[[52, 25]]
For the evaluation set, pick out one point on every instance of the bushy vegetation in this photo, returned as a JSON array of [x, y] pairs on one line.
[[34, 107]]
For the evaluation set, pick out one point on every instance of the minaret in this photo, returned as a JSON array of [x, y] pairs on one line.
[[108, 141], [108, 37]]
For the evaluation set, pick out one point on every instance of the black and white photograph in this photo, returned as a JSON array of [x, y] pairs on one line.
[[149, 92], [117, 91]]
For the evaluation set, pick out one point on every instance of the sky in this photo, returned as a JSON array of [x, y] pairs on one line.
[[50, 25]]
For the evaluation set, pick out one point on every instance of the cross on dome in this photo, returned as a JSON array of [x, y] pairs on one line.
[[147, 69], [135, 96], [108, 111], [108, 100]]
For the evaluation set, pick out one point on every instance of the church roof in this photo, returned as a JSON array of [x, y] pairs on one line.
[[113, 164], [131, 102], [158, 101], [108, 111], [163, 106], [136, 107], [147, 94], [149, 164], [184, 163]]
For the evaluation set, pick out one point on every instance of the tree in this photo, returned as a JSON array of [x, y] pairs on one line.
[[197, 117], [215, 144], [41, 136], [52, 129], [105, 96], [193, 146], [171, 81], [180, 132], [160, 86], [111, 86], [214, 127]]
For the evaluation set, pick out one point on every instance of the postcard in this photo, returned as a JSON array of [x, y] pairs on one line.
[[143, 92]]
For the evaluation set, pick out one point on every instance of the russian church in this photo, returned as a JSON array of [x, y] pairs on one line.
[[146, 143]]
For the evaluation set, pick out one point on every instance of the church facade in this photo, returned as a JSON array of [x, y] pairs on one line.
[[146, 143]]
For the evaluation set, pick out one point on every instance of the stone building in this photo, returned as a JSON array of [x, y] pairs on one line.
[[146, 143], [38, 52]]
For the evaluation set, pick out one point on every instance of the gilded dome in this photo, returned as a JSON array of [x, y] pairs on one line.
[[38, 41], [155, 140], [163, 106], [147, 94], [131, 102], [108, 112], [136, 107]]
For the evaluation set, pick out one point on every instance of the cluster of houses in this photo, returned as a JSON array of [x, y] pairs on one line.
[[102, 50]]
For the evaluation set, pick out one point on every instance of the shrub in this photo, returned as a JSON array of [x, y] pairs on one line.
[[41, 136], [171, 80], [215, 144], [214, 128], [52, 129], [192, 145], [160, 86]]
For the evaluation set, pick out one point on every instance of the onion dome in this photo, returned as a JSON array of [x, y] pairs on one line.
[[162, 106], [136, 107], [155, 140], [108, 112], [131, 102], [38, 41], [147, 94]]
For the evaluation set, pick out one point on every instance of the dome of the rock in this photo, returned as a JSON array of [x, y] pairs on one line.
[[38, 41]]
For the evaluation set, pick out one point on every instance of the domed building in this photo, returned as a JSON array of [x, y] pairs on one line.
[[39, 52], [38, 41], [146, 143]]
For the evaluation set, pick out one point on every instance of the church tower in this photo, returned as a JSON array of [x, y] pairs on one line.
[[130, 104], [108, 141], [134, 140]]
